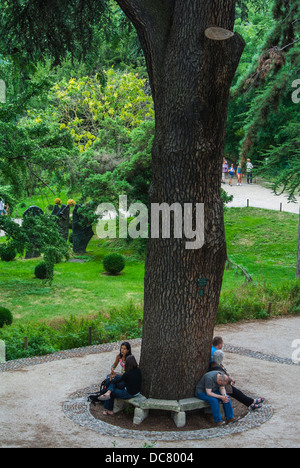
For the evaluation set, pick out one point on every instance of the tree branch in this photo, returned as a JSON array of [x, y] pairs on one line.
[[152, 20], [37, 177]]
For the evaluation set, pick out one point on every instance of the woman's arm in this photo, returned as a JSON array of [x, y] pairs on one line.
[[116, 363], [113, 367]]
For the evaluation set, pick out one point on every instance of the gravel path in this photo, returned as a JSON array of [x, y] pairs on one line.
[[42, 400], [259, 197]]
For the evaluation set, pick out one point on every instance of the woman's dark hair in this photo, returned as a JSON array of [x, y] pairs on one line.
[[130, 363], [125, 343]]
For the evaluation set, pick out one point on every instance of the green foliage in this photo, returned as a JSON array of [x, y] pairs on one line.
[[37, 233], [252, 301], [6, 317], [282, 163], [35, 28], [262, 104], [114, 263], [32, 146], [85, 104], [130, 175], [8, 252], [41, 271], [7, 196], [109, 325]]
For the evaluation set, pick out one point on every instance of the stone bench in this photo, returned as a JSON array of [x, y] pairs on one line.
[[178, 409]]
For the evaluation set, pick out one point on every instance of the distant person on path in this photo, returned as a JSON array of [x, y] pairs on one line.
[[231, 172], [211, 388], [218, 344], [224, 171], [7, 209], [2, 208], [231, 390], [249, 166], [239, 175], [131, 382]]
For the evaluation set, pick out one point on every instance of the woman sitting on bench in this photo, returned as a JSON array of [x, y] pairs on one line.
[[132, 378]]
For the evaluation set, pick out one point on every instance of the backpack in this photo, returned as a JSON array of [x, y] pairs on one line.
[[93, 398]]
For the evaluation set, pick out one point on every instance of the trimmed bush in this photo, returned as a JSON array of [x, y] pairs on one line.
[[114, 263], [8, 253], [6, 317], [41, 271]]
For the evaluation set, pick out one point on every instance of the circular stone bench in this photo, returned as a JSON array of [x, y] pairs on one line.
[[178, 409]]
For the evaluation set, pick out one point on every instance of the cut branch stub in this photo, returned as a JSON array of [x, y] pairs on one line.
[[218, 34]]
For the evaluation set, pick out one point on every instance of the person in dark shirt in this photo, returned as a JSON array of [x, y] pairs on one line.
[[232, 391], [132, 378]]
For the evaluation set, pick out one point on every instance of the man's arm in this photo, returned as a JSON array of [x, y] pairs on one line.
[[222, 397]]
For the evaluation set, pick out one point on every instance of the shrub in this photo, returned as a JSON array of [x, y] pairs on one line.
[[114, 263], [8, 253], [6, 317], [44, 338], [42, 271]]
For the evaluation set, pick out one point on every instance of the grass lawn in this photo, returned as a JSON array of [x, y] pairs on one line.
[[43, 201], [78, 288], [264, 242]]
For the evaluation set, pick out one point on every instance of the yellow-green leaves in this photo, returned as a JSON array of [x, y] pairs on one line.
[[84, 104]]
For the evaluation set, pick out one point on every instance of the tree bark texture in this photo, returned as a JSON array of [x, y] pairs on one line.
[[190, 77]]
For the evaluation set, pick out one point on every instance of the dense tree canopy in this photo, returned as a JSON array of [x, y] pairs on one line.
[[39, 115], [271, 117]]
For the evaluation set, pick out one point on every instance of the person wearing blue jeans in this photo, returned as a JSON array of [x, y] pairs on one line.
[[211, 388], [121, 393], [130, 383]]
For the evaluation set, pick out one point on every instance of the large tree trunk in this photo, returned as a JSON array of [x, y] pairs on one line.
[[190, 76]]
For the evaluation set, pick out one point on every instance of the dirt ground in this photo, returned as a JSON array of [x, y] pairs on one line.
[[161, 421]]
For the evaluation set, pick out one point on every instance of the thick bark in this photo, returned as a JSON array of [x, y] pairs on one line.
[[190, 77]]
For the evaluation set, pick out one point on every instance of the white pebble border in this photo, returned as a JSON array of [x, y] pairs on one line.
[[77, 408]]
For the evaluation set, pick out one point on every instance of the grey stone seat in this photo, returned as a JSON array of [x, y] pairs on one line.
[[178, 409]]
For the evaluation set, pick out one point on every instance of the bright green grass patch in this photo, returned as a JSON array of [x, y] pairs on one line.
[[42, 200], [82, 296], [262, 241], [79, 289]]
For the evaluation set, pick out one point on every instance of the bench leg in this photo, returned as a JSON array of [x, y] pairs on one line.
[[179, 418], [119, 405], [140, 415]]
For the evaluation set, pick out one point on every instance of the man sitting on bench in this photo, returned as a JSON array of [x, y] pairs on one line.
[[211, 388]]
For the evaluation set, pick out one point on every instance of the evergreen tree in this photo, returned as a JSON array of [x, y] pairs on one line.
[[267, 88]]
